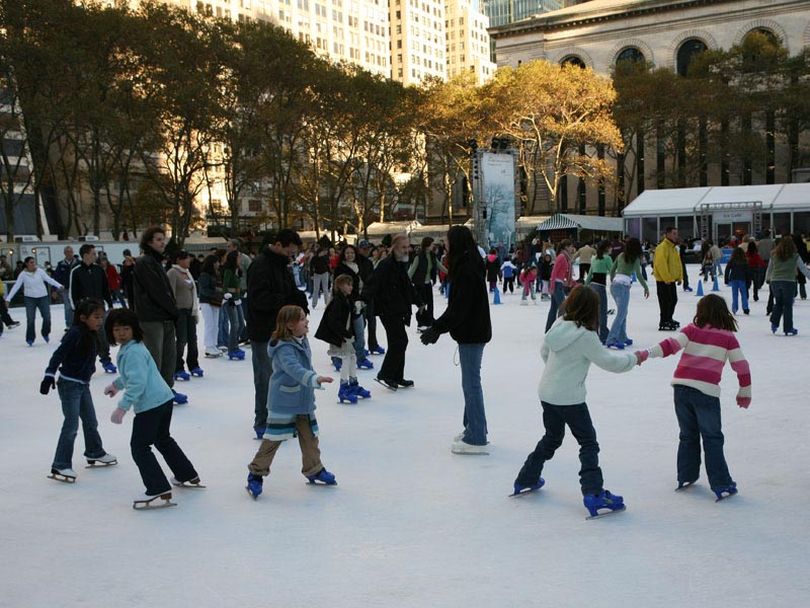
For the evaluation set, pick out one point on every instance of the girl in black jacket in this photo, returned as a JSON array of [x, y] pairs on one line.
[[337, 330], [467, 319]]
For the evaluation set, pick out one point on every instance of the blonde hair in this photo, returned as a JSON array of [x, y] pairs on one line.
[[340, 280], [288, 314]]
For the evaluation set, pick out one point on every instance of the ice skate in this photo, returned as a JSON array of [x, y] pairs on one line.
[[148, 501], [179, 398], [236, 355], [182, 375], [791, 332], [65, 475], [191, 483], [685, 485], [604, 500], [377, 350], [725, 491], [405, 383], [364, 363], [520, 489], [464, 448], [254, 485], [358, 390], [197, 372], [107, 460], [109, 368], [345, 393], [323, 477], [213, 354], [389, 384]]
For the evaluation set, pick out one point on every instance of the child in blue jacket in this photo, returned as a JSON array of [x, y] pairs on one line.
[[148, 394], [75, 360], [290, 401]]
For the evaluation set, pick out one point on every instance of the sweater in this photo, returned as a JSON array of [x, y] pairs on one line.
[[705, 351], [139, 377], [467, 314], [568, 352], [600, 268], [293, 382], [785, 270], [622, 266], [584, 254], [561, 272], [33, 284], [667, 266], [73, 364], [184, 289], [737, 271]]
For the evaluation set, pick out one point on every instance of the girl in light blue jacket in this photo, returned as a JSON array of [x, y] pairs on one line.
[[290, 401], [148, 394]]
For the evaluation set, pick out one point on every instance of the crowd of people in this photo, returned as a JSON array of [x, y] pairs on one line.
[[152, 307]]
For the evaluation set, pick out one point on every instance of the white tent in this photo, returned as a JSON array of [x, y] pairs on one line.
[[593, 223]]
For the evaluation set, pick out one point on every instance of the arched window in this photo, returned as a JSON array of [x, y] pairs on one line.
[[761, 31], [573, 60], [760, 47], [687, 52], [630, 54]]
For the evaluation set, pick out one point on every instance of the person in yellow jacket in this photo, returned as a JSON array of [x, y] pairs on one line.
[[668, 272]]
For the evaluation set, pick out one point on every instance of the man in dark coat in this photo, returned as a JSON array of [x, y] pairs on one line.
[[394, 296], [88, 280], [270, 286]]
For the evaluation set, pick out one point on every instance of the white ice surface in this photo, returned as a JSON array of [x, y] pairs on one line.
[[410, 524]]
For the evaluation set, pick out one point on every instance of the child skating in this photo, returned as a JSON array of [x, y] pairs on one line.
[[75, 359], [707, 343], [336, 329], [569, 348], [290, 402], [151, 398]]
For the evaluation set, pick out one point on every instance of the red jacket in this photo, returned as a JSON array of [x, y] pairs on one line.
[[113, 278]]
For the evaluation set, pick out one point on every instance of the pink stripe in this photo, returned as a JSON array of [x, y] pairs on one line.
[[697, 373], [712, 337], [698, 361], [670, 346]]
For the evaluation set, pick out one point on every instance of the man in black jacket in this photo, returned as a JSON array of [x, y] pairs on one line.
[[393, 295], [270, 285], [88, 280], [366, 267], [155, 305], [62, 274]]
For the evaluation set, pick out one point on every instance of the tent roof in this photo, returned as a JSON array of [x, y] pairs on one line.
[[381, 229], [562, 221], [687, 201]]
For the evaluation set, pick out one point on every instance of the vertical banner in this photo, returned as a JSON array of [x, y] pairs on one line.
[[498, 198]]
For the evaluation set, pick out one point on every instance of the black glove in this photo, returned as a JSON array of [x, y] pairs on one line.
[[430, 336], [47, 384]]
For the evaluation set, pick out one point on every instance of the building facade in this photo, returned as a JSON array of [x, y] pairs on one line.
[[468, 46]]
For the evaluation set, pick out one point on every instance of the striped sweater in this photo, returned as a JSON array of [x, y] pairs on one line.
[[705, 351]]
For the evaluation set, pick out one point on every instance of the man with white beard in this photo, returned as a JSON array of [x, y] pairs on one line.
[[393, 296]]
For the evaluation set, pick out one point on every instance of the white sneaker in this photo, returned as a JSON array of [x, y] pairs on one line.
[[461, 447]]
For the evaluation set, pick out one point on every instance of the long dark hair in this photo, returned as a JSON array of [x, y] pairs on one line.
[[582, 307], [785, 249], [602, 248], [88, 337], [462, 246], [632, 250], [232, 263], [208, 265], [713, 310]]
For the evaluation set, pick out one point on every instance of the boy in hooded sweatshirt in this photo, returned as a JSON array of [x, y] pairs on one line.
[[570, 346]]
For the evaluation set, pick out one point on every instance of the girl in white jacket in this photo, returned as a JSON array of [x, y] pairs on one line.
[[570, 346]]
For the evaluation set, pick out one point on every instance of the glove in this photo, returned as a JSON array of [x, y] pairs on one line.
[[358, 307], [641, 356], [118, 415], [227, 295], [430, 336], [237, 302], [743, 402], [47, 384]]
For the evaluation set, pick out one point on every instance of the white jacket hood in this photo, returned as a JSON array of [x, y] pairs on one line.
[[563, 334]]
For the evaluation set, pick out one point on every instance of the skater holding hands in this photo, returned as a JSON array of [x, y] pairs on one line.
[[570, 346], [75, 358], [291, 401], [707, 343], [147, 393]]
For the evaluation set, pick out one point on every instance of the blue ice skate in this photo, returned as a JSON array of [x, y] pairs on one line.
[[628, 342], [725, 491], [378, 350], [791, 332], [197, 372], [358, 390], [603, 500], [345, 393], [236, 355], [109, 367], [180, 398], [182, 375], [616, 345], [323, 477], [254, 485], [364, 363], [527, 489], [337, 362]]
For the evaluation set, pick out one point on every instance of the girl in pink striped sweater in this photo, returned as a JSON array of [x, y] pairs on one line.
[[707, 343]]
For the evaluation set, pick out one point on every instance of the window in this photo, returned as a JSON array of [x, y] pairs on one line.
[[687, 52], [631, 54], [254, 205], [573, 60]]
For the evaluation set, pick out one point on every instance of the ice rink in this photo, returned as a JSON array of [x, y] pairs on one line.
[[411, 524]]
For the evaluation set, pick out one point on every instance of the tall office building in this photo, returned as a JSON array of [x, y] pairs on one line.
[[503, 12], [417, 40], [468, 46]]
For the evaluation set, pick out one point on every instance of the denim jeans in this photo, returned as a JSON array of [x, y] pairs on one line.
[[42, 304], [601, 290], [68, 312], [359, 323], [738, 292], [223, 327], [262, 369], [76, 404], [241, 313], [578, 419], [699, 417], [618, 331], [232, 310], [783, 294], [556, 301], [475, 419]]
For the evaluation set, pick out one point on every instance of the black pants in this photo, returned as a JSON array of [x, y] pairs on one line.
[[5, 318], [583, 271], [425, 291], [393, 366], [509, 284], [578, 419], [186, 329], [667, 299], [152, 428], [371, 326], [685, 276]]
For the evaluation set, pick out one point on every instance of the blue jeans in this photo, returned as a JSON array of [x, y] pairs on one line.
[[601, 290], [475, 419], [618, 331], [223, 330], [783, 294], [359, 323], [557, 299], [699, 417], [242, 316], [76, 404], [738, 291], [31, 306], [232, 310], [262, 368], [68, 311]]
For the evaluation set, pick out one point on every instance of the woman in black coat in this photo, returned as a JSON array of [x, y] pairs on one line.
[[467, 319]]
